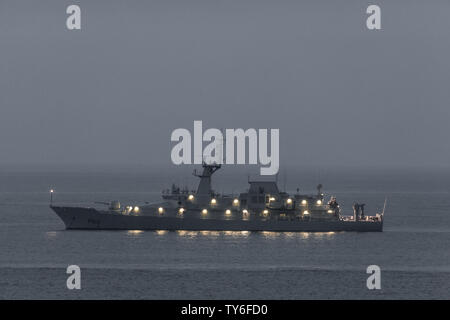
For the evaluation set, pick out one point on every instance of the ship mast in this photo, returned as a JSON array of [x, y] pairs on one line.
[[204, 191]]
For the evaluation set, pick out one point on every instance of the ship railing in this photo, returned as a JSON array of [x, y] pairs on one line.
[[377, 217]]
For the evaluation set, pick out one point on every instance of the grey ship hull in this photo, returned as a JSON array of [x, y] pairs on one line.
[[90, 218]]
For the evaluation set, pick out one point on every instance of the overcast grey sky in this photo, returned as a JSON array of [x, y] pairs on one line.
[[113, 92]]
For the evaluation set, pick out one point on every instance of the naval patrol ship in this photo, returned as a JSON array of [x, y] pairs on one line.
[[262, 208]]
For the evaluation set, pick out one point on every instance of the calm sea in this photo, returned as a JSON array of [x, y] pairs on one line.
[[413, 252]]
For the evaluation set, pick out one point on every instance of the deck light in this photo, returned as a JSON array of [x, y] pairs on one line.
[[213, 201], [228, 212], [204, 211], [304, 202], [161, 210]]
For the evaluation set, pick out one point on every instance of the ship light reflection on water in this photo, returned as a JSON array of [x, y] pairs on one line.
[[289, 234], [51, 234], [304, 235], [187, 233], [207, 233], [134, 232], [210, 233], [270, 234], [236, 234], [321, 235]]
